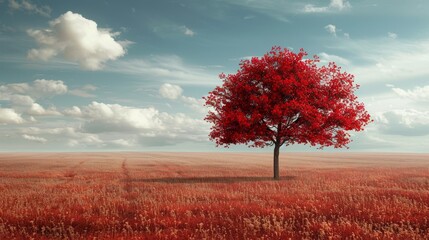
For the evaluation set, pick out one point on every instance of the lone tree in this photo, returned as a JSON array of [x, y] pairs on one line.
[[282, 98]]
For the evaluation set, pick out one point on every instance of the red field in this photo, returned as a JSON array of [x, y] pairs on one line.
[[213, 196]]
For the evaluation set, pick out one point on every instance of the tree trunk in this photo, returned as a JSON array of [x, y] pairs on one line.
[[276, 161]]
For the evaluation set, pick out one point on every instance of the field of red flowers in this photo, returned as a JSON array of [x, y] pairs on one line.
[[213, 196]]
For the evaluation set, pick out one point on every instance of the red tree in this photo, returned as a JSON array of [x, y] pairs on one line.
[[282, 98]]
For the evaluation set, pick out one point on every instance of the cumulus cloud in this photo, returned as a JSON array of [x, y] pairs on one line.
[[42, 88], [77, 39], [9, 116], [332, 29], [48, 87], [27, 5], [334, 5], [175, 92], [37, 109], [117, 118], [73, 111], [74, 137], [34, 138], [339, 4], [21, 95], [170, 91], [408, 122], [416, 94], [39, 88], [21, 100], [392, 35], [146, 122], [188, 32]]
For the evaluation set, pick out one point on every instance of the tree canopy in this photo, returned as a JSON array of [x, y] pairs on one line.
[[283, 98]]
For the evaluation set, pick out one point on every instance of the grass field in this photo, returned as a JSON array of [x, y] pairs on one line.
[[213, 196]]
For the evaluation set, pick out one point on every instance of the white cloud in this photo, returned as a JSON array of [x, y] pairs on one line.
[[170, 68], [310, 8], [84, 91], [335, 5], [87, 141], [29, 6], [34, 138], [37, 109], [81, 93], [405, 122], [188, 32], [9, 116], [392, 35], [77, 39], [21, 100], [327, 58], [339, 4], [332, 29], [195, 104], [122, 143], [170, 91], [174, 92], [416, 94], [148, 123], [277, 9], [116, 118], [38, 89], [387, 61], [21, 96], [73, 111], [44, 87], [73, 137], [63, 131]]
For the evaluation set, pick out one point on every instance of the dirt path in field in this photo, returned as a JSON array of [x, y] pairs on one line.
[[126, 178], [127, 182], [72, 172]]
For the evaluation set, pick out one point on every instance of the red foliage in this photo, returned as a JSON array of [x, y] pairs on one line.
[[282, 98]]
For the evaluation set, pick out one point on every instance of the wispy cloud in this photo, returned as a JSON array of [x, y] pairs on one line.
[[166, 68], [27, 5], [334, 6], [277, 9], [327, 58], [387, 61], [85, 91]]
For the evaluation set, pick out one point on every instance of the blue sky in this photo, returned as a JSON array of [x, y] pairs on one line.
[[130, 75]]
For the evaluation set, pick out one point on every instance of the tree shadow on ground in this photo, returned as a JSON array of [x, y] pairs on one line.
[[211, 179]]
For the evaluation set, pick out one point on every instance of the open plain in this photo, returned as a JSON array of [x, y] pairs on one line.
[[213, 196]]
